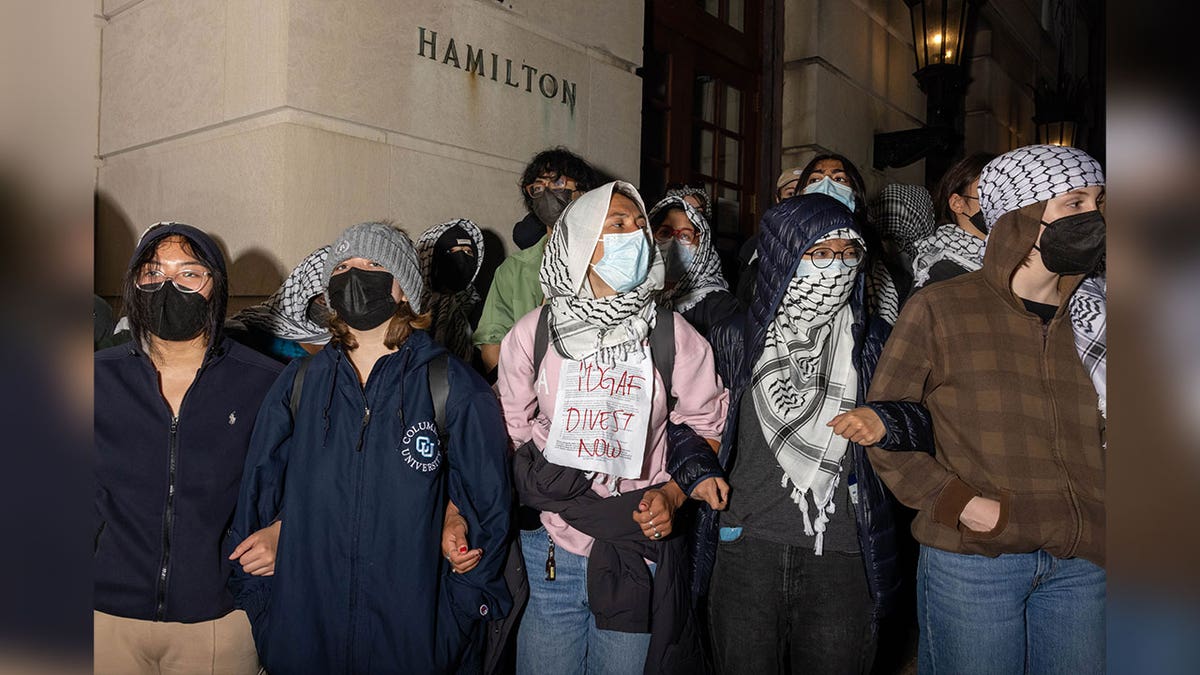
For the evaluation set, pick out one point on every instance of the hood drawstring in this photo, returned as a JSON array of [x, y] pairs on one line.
[[329, 399]]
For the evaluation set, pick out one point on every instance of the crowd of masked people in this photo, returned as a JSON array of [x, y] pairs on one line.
[[367, 471]]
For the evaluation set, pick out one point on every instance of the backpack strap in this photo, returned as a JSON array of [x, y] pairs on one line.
[[541, 339], [298, 384], [439, 391], [662, 350]]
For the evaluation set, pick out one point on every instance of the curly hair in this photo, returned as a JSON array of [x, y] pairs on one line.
[[558, 161]]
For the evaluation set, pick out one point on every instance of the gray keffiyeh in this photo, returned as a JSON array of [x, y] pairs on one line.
[[450, 312], [804, 378], [951, 243], [285, 313], [582, 325], [904, 214], [703, 275]]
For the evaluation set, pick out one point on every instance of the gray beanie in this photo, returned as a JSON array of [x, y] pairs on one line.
[[385, 245]]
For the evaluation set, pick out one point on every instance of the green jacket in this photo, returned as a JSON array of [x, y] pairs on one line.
[[515, 292]]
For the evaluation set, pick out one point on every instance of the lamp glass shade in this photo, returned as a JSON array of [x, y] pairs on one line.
[[1059, 132], [939, 27]]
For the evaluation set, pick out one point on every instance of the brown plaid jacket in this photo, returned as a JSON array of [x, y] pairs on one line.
[[1014, 413]]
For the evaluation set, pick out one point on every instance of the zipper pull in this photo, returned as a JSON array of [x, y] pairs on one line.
[[550, 570], [362, 431], [175, 424]]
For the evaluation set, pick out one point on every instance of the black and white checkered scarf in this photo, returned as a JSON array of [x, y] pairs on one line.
[[948, 242], [285, 313], [804, 377], [703, 275], [450, 312], [1037, 173], [904, 214], [582, 325]]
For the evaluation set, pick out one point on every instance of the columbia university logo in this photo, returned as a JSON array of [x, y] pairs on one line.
[[420, 447]]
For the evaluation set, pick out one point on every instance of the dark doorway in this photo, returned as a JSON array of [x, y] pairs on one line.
[[703, 111]]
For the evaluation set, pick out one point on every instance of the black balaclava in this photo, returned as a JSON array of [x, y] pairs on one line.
[[454, 271]]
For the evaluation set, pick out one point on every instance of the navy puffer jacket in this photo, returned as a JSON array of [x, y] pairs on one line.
[[787, 231]]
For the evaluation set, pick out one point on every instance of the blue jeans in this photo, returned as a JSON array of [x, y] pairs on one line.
[[1018, 613], [558, 633]]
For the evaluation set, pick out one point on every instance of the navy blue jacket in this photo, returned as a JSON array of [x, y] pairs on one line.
[[166, 488], [788, 230], [360, 481]]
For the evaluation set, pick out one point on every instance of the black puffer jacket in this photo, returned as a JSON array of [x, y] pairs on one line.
[[788, 229]]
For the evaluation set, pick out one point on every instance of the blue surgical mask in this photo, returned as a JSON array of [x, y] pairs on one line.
[[839, 191], [836, 267], [626, 260]]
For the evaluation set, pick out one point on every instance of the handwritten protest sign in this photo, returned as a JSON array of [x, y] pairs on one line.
[[602, 415]]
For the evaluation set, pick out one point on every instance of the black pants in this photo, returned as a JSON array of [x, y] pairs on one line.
[[783, 609]]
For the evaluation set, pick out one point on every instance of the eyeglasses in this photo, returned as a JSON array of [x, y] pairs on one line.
[[824, 257], [665, 233], [537, 187], [186, 280]]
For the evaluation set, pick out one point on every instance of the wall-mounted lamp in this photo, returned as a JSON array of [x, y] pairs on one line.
[[939, 32]]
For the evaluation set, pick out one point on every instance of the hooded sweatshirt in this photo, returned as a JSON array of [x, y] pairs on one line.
[[451, 311], [528, 399], [1014, 412]]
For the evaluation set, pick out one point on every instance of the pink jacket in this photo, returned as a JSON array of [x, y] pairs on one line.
[[701, 402]]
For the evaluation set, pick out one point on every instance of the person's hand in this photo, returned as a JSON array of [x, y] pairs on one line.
[[714, 491], [861, 425], [980, 514], [455, 548], [657, 510], [256, 553]]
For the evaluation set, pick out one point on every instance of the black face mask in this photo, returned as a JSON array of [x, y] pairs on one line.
[[176, 316], [979, 221], [317, 312], [363, 298], [1073, 244], [549, 205], [452, 272]]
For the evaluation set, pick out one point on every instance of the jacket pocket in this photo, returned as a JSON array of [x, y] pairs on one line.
[[1028, 522], [1001, 522]]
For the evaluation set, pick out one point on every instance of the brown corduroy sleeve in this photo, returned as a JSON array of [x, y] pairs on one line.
[[906, 373]]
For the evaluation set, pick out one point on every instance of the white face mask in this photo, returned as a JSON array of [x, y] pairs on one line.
[[678, 258], [839, 191]]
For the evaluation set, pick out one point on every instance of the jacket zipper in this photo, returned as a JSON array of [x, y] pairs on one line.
[[358, 488], [1054, 439], [160, 604]]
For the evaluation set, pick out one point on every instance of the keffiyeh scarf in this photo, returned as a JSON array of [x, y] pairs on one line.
[[703, 275], [949, 242], [804, 377], [450, 311], [904, 214], [285, 313], [1032, 174], [581, 325], [882, 296], [1089, 316]]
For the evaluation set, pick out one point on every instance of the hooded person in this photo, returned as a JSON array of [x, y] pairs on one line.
[[1010, 497], [292, 316], [451, 256], [695, 195], [174, 410], [351, 461], [904, 214], [567, 372], [693, 283], [800, 490]]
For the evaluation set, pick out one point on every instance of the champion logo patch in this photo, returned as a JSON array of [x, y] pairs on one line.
[[420, 447], [343, 247]]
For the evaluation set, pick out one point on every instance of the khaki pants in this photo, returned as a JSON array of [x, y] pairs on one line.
[[222, 646]]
